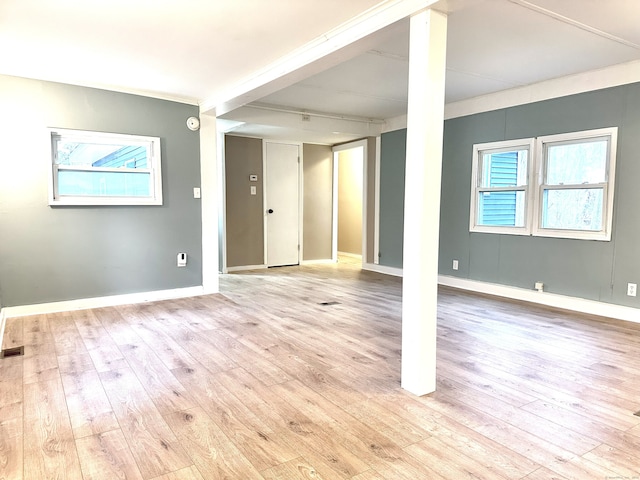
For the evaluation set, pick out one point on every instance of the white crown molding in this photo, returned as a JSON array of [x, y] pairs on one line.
[[99, 302], [616, 75], [621, 74]]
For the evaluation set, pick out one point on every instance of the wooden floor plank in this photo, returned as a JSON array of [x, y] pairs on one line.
[[40, 367], [162, 387], [66, 336], [215, 456], [261, 445], [189, 473], [13, 333], [89, 408], [50, 450], [153, 445], [295, 469], [263, 382], [107, 455], [11, 453]]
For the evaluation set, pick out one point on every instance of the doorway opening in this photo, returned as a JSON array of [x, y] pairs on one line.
[[349, 198]]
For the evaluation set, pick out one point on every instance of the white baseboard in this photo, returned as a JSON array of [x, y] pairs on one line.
[[372, 267], [565, 302], [3, 321], [350, 255], [245, 267], [98, 302], [319, 261], [574, 304]]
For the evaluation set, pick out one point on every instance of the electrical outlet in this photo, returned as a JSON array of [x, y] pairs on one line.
[[632, 289], [455, 265]]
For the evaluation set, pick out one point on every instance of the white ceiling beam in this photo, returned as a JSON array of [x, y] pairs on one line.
[[334, 47], [302, 121]]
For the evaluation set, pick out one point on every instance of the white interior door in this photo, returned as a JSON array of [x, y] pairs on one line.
[[282, 214]]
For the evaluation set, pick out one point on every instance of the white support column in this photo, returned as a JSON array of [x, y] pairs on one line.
[[425, 124], [209, 201]]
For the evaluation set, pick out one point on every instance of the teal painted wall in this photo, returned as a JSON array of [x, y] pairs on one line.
[[63, 253], [393, 147], [581, 268]]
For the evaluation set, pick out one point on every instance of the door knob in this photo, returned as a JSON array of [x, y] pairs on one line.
[[270, 210]]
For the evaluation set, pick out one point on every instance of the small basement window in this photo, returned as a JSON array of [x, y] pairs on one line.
[[96, 168]]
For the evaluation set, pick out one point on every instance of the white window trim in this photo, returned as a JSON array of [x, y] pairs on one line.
[[608, 185], [155, 170], [505, 146], [535, 186]]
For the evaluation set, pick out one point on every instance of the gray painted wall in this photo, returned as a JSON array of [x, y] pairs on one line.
[[581, 268], [63, 253], [393, 147], [243, 156], [245, 217], [371, 198], [318, 197]]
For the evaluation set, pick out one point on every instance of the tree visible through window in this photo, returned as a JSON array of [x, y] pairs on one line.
[[567, 192]]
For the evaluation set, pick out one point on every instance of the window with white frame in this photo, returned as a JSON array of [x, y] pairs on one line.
[[96, 168], [500, 196], [566, 190]]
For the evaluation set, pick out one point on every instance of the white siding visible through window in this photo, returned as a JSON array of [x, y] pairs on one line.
[[95, 168]]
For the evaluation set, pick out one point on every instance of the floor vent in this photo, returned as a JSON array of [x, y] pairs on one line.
[[327, 304], [12, 352]]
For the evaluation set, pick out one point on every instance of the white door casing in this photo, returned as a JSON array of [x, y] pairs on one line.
[[335, 150], [282, 212]]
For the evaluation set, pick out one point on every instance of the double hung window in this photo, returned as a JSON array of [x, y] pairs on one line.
[[553, 186]]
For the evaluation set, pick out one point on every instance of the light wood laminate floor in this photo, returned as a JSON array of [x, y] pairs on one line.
[[264, 382]]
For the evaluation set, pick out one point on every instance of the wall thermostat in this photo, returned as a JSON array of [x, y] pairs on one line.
[[253, 178]]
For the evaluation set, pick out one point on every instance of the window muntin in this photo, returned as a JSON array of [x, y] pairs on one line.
[[500, 186], [95, 168], [566, 190], [576, 190]]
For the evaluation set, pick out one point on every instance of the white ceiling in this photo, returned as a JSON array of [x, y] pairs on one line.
[[196, 49]]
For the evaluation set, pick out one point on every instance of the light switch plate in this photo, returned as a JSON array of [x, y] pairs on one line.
[[196, 192], [253, 190]]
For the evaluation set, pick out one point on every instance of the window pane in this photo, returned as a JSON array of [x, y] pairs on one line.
[[504, 169], [101, 154], [579, 209], [577, 163], [119, 184], [504, 209]]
